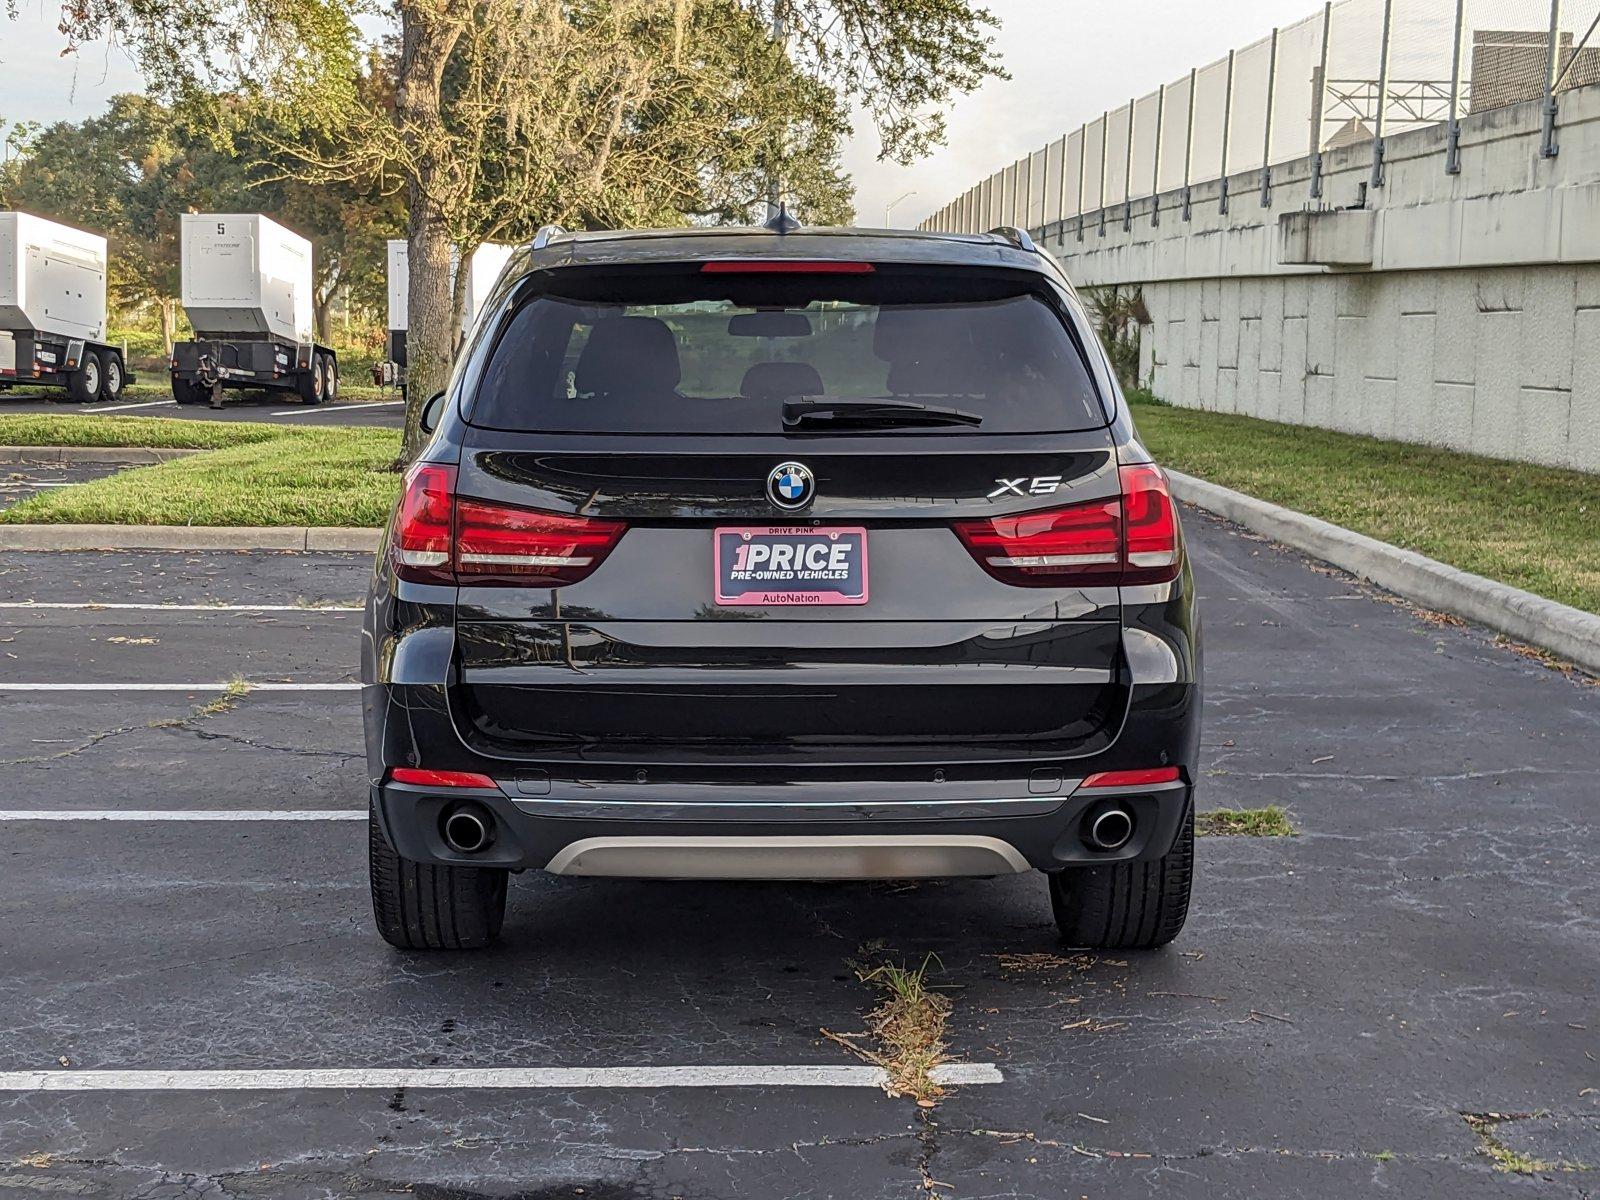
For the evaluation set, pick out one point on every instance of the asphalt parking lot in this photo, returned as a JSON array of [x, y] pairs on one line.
[[18, 481], [283, 409], [1340, 1012]]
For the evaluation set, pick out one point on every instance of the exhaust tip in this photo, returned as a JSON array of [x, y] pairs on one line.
[[467, 829], [1110, 828]]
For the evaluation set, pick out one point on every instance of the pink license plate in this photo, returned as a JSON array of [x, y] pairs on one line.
[[776, 565]]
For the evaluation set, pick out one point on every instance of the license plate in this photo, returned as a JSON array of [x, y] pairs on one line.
[[790, 565]]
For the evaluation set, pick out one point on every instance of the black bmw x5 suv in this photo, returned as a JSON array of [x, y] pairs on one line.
[[750, 554]]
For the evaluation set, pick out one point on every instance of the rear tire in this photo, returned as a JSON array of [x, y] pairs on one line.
[[418, 906], [111, 386], [1130, 905], [330, 378], [310, 384], [186, 392], [83, 385]]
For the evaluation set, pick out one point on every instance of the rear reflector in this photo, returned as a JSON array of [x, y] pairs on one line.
[[440, 537], [1128, 779], [1130, 539], [446, 779], [784, 266]]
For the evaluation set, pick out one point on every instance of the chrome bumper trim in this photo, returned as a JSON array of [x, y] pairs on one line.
[[880, 856]]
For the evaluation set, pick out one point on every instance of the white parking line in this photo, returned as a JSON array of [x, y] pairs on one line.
[[311, 410], [119, 407], [176, 687], [388, 1079], [91, 605], [182, 814]]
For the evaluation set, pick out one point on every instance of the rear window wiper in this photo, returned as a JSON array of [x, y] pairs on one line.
[[806, 411]]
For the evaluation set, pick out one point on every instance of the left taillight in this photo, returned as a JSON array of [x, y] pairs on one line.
[[1130, 539], [440, 537], [421, 546]]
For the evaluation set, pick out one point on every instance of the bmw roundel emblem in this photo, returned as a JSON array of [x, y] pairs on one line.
[[789, 485]]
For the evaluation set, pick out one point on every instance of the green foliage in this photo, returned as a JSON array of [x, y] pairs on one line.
[[1117, 312], [72, 429], [131, 172], [902, 61], [1271, 821], [287, 477]]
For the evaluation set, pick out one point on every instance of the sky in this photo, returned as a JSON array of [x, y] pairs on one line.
[[1069, 60]]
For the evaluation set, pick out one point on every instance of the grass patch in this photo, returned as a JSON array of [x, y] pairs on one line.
[[907, 1029], [1512, 1162], [1536, 528], [1271, 821], [68, 429], [339, 476]]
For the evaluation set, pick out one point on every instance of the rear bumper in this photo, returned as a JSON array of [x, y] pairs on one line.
[[723, 836], [956, 809]]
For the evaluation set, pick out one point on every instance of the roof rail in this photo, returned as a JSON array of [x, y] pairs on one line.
[[546, 234], [1016, 235]]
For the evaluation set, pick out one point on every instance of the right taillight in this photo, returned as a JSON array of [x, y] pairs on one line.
[[1150, 526], [1132, 539], [440, 537]]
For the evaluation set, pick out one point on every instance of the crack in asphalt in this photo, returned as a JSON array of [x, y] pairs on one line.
[[187, 724], [343, 1175], [33, 760], [239, 739]]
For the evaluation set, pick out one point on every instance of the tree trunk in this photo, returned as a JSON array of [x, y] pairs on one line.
[[458, 296], [427, 39], [169, 323], [320, 307]]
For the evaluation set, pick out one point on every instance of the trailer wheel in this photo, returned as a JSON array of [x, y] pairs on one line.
[[111, 388], [330, 378], [185, 391], [83, 385], [310, 384]]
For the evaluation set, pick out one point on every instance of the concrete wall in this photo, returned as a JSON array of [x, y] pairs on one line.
[[1471, 318]]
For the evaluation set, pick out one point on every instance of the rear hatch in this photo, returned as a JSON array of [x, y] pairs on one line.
[[744, 513]]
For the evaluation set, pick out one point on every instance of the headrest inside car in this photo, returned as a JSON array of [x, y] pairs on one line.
[[780, 381], [629, 355]]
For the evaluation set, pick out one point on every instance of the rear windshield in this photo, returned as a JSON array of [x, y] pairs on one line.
[[684, 352]]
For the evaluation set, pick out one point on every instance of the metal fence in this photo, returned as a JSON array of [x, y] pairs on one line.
[[1352, 74]]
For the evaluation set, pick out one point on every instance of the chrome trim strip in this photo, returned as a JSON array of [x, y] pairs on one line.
[[526, 560], [855, 857]]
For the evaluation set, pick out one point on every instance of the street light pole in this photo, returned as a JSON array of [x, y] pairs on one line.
[[889, 208]]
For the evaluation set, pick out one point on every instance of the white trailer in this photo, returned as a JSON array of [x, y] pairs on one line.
[[483, 269], [247, 290], [53, 309], [398, 322]]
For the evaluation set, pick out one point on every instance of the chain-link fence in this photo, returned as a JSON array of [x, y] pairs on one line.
[[1352, 74]]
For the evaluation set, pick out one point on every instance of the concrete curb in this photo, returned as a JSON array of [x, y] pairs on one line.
[[187, 537], [132, 456], [1567, 632]]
